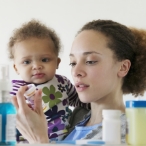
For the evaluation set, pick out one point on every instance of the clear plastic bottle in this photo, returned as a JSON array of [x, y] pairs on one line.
[[111, 123], [7, 110]]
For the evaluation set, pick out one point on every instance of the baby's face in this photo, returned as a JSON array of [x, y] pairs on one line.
[[35, 60]]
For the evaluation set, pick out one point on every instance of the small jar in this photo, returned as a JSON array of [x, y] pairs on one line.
[[29, 94], [136, 122], [111, 126]]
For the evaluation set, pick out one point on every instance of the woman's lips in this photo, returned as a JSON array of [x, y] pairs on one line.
[[81, 87]]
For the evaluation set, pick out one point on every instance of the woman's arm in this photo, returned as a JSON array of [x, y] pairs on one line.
[[32, 124]]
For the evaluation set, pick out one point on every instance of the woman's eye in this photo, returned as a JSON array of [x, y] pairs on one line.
[[90, 62], [45, 60], [26, 62], [72, 64]]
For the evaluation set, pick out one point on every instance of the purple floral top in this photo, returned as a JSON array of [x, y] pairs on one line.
[[57, 95]]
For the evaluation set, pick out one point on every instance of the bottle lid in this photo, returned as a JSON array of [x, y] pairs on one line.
[[136, 104], [4, 71], [5, 84], [30, 91], [111, 113]]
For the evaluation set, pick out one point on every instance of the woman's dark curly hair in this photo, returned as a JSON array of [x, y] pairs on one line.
[[33, 28], [126, 43]]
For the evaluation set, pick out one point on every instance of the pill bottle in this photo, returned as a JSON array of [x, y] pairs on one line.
[[136, 122], [111, 126], [30, 93]]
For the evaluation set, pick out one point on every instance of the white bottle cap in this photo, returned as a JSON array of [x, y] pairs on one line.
[[4, 71], [111, 113], [5, 84], [30, 91]]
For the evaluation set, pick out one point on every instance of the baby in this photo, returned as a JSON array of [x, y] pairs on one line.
[[34, 49]]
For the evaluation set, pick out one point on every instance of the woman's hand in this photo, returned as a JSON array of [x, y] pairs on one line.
[[32, 124]]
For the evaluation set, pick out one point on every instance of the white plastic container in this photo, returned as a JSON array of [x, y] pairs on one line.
[[30, 92], [111, 124]]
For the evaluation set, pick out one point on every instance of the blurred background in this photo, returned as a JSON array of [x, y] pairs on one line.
[[66, 17]]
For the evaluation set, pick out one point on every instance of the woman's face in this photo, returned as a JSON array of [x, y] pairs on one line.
[[94, 69]]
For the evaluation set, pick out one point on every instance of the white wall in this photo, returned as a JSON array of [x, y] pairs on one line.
[[66, 17]]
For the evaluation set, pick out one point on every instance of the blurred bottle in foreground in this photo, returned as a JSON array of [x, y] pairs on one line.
[[7, 110]]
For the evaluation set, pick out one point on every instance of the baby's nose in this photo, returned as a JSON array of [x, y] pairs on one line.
[[37, 66]]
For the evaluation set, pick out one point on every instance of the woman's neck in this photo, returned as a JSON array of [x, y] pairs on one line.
[[110, 102]]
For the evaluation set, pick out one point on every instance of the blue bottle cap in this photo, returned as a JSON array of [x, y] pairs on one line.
[[136, 104]]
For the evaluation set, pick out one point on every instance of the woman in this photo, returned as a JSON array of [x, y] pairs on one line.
[[107, 60]]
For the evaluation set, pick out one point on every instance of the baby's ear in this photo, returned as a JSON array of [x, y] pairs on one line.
[[124, 68], [15, 68], [58, 62]]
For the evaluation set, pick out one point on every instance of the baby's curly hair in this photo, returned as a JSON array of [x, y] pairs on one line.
[[126, 43], [33, 28]]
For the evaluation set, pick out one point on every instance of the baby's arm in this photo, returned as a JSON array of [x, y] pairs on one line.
[[16, 84]]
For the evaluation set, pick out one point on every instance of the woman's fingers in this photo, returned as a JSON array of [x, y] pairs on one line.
[[21, 99], [15, 102], [38, 102], [32, 124], [20, 102]]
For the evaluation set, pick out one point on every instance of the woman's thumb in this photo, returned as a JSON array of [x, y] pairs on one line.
[[38, 102]]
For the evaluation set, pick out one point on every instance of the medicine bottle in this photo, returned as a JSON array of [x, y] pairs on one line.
[[7, 110], [30, 93], [111, 126]]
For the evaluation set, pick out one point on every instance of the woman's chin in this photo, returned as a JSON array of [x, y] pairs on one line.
[[84, 100]]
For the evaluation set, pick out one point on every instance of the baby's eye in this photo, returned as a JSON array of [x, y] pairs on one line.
[[45, 59], [72, 64], [26, 62], [90, 62]]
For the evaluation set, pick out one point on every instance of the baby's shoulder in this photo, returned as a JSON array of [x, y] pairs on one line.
[[62, 79]]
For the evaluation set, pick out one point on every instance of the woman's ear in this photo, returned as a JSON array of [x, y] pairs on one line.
[[15, 68], [124, 68], [58, 62]]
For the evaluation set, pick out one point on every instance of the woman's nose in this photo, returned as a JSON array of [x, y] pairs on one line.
[[78, 71]]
